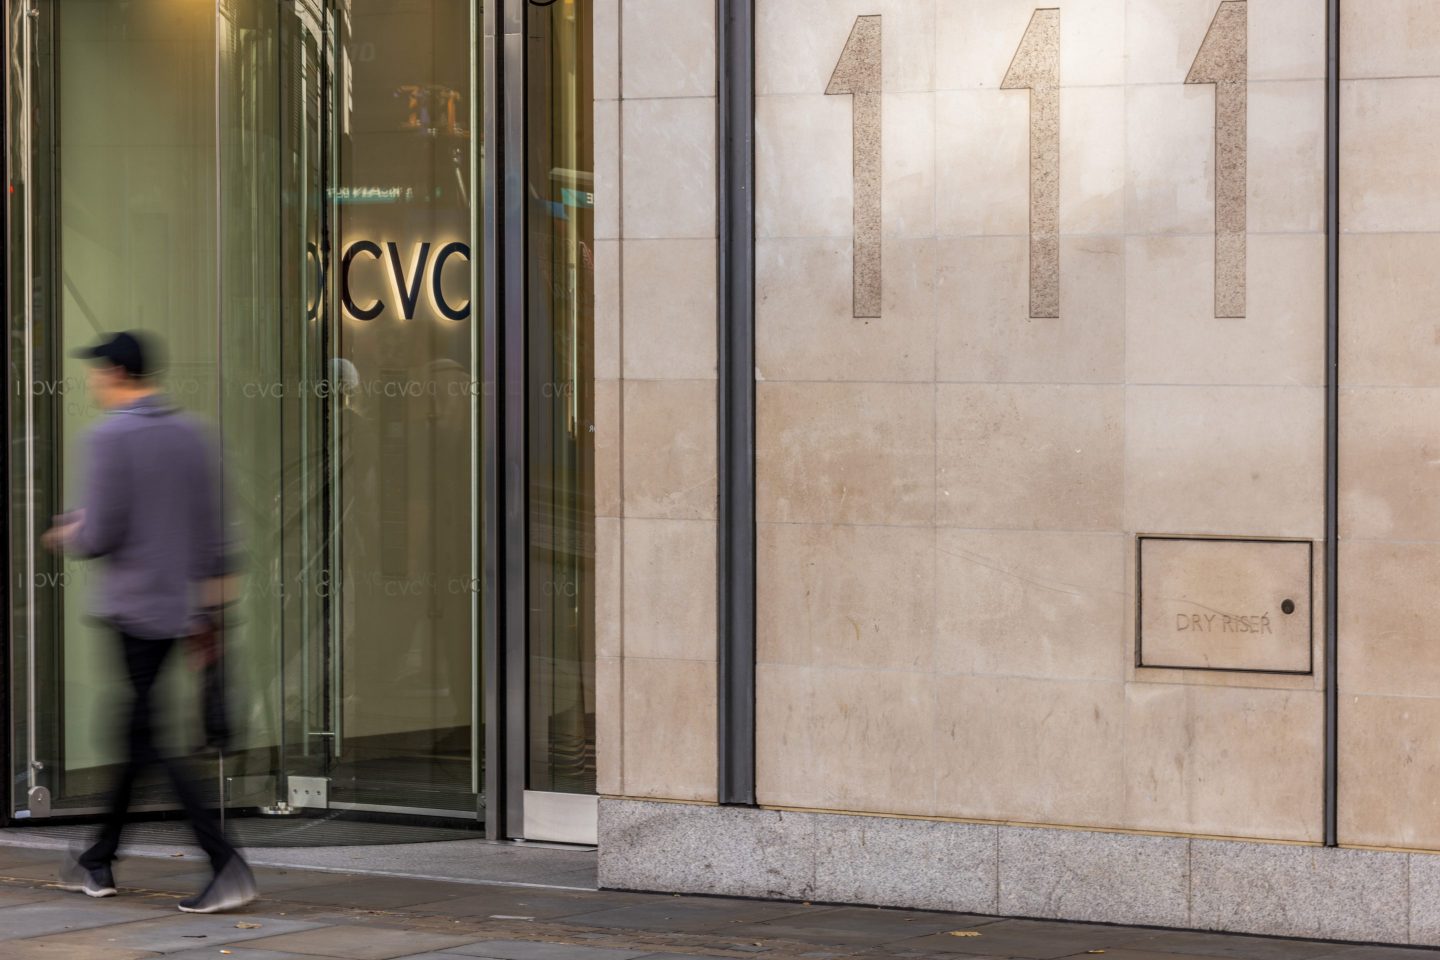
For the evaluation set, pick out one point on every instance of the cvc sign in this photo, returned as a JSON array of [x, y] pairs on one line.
[[405, 282]]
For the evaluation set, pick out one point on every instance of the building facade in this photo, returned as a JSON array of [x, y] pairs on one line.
[[961, 454], [1093, 370]]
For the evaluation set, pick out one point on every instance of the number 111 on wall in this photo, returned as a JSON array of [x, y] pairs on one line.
[[1222, 61]]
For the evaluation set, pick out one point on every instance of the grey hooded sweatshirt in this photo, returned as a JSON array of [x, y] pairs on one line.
[[152, 516]]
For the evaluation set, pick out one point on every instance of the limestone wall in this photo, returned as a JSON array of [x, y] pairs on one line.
[[655, 396], [1041, 331], [1069, 354]]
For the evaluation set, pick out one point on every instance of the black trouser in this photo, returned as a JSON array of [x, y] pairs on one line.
[[143, 659]]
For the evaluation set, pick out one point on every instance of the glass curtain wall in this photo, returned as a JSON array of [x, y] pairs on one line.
[[560, 250], [269, 191], [283, 191]]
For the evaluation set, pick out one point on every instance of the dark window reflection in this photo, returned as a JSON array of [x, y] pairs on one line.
[[561, 278]]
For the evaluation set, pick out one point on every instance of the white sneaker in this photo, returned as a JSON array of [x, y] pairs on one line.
[[233, 886], [77, 878]]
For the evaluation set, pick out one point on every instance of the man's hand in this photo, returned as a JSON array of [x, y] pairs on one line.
[[203, 643], [62, 531]]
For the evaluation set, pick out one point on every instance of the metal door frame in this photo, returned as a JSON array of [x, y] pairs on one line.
[[6, 471], [503, 637], [26, 22]]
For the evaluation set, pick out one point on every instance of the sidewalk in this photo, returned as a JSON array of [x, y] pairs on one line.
[[312, 915], [471, 860]]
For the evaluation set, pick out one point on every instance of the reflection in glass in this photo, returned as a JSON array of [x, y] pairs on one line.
[[403, 424], [561, 283], [136, 244]]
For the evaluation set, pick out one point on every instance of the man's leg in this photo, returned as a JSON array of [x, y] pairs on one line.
[[143, 659], [233, 885], [202, 820]]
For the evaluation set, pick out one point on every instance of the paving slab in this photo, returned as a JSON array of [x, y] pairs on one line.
[[537, 950], [1229, 945], [361, 942], [1381, 953], [270, 882], [69, 911], [34, 950], [130, 871], [858, 926], [376, 893], [1128, 954], [1025, 940], [179, 931], [694, 914], [243, 953], [11, 896], [529, 903], [572, 952]]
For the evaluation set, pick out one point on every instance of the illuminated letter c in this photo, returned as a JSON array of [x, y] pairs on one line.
[[358, 247], [437, 293]]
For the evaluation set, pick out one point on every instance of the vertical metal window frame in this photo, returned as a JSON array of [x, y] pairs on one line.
[[481, 227], [735, 108], [21, 23], [504, 601], [1332, 423], [7, 729], [491, 311], [516, 457], [26, 212]]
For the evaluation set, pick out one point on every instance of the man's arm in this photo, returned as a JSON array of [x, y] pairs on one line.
[[104, 511]]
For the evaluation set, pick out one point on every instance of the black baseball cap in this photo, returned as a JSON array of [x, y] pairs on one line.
[[132, 351]]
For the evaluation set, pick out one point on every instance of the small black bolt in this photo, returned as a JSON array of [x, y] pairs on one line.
[[1288, 607]]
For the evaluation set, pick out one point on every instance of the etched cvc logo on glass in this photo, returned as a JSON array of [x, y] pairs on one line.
[[406, 282]]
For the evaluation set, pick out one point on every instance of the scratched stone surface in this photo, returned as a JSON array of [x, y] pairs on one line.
[[1223, 61]]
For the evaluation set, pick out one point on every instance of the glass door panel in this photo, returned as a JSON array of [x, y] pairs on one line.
[[270, 188], [284, 192], [560, 250], [114, 149], [404, 475]]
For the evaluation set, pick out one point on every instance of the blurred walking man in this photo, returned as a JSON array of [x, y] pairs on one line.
[[151, 515]]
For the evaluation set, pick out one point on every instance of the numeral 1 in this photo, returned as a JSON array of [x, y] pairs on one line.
[[858, 74], [1036, 67], [1224, 61]]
